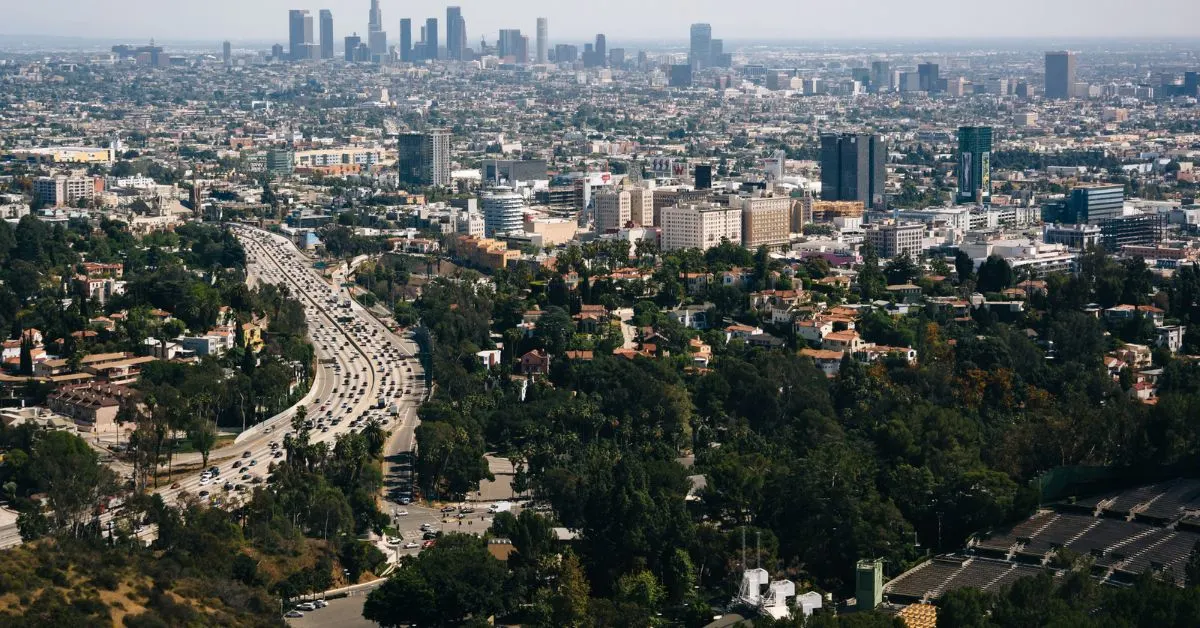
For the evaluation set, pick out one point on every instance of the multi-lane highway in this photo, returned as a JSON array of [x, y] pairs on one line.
[[364, 371]]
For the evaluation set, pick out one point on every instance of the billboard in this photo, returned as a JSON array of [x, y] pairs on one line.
[[965, 174], [985, 179], [668, 166]]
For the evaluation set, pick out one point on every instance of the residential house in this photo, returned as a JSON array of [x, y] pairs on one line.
[[813, 330], [701, 353], [697, 283], [489, 358], [693, 316], [536, 362], [844, 341], [591, 318], [742, 332], [830, 362], [906, 293], [1170, 337]]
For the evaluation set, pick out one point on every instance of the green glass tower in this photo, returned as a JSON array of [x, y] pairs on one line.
[[974, 164]]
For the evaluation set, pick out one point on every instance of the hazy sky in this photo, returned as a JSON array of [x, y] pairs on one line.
[[572, 20]]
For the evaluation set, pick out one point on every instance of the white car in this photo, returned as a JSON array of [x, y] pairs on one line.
[[412, 545], [401, 513]]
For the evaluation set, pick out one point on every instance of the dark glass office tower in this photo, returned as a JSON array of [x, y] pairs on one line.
[[1060, 75], [853, 169], [974, 164]]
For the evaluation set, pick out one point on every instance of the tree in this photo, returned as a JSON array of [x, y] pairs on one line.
[[901, 270], [995, 274], [455, 581], [202, 434], [69, 473], [871, 282], [26, 354], [555, 328], [567, 598], [964, 266]]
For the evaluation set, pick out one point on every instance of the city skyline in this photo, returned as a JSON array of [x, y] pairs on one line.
[[930, 19]]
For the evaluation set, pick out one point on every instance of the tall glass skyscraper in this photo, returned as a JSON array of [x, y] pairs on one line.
[[1060, 74], [300, 34], [700, 51], [456, 33], [853, 169], [975, 164], [326, 34]]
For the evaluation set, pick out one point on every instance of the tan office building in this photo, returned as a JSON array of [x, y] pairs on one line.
[[766, 221]]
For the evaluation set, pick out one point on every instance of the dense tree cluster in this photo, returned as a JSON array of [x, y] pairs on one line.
[[886, 460]]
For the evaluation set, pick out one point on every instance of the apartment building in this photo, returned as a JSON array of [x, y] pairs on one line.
[[61, 190], [613, 209], [766, 221], [700, 226]]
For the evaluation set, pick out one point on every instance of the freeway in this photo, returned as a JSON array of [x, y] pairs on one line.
[[364, 371]]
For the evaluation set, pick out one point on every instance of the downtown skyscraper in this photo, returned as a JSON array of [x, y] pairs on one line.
[[376, 36], [456, 34], [300, 35], [700, 51], [431, 39], [1060, 75], [406, 41], [326, 34], [543, 40]]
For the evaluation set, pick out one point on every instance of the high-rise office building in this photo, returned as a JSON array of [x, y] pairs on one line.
[[681, 75], [509, 43], [406, 43], [227, 53], [431, 39], [1060, 75], [881, 76], [927, 76], [300, 34], [601, 49], [1191, 83], [424, 158], [717, 55], [503, 212], [352, 43], [1092, 203], [456, 33], [852, 168], [616, 57], [326, 34], [700, 51], [974, 164], [566, 53], [376, 36], [703, 176], [543, 40]]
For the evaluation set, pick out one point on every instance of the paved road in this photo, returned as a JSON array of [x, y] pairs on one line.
[[364, 371]]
